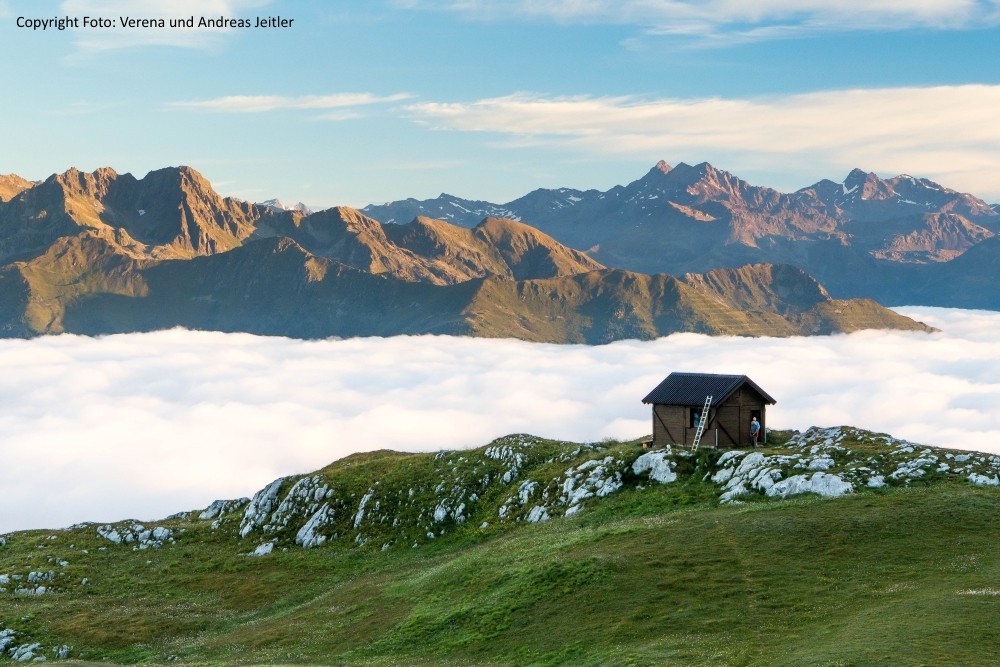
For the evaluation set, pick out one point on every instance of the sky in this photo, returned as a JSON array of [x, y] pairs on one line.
[[145, 425], [359, 102]]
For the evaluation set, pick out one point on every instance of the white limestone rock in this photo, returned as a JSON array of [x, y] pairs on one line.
[[6, 639], [361, 507], [301, 502], [734, 489], [750, 462], [914, 468], [263, 549], [25, 652], [39, 577], [983, 480], [308, 536], [817, 437], [658, 465], [722, 476], [221, 507], [597, 477], [525, 490], [820, 483], [876, 482], [109, 533], [506, 453], [260, 507], [754, 472], [823, 462], [729, 456], [136, 534], [538, 513]]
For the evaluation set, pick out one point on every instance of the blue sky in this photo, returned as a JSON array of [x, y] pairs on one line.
[[362, 102]]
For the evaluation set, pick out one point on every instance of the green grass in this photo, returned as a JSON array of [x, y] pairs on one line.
[[651, 575]]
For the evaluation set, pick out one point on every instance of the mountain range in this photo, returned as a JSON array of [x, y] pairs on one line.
[[902, 240], [103, 252]]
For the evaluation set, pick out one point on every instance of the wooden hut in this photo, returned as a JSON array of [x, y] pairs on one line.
[[678, 403]]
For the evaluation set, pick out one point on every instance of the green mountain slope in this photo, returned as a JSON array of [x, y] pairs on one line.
[[275, 287], [531, 551]]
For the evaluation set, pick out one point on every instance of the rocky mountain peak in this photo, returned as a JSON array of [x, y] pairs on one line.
[[856, 176], [868, 186], [12, 185], [661, 167], [80, 183], [531, 253], [688, 174], [352, 217], [188, 179]]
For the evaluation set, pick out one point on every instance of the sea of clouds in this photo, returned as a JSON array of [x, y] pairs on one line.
[[145, 425]]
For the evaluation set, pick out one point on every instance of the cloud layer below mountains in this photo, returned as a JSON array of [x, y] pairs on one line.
[[144, 425]]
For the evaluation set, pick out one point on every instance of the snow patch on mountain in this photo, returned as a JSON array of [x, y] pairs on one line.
[[278, 205]]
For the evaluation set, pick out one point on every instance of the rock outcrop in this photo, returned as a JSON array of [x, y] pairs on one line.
[[521, 478]]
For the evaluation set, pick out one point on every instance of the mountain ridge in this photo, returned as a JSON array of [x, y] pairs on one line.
[[862, 237], [101, 252]]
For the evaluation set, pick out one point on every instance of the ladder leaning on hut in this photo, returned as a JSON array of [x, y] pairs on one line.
[[701, 422]]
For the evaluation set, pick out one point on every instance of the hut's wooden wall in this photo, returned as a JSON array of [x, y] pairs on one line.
[[730, 419]]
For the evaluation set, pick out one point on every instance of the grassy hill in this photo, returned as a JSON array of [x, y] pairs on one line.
[[532, 551]]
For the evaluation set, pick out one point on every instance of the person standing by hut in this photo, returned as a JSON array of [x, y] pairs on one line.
[[754, 430]]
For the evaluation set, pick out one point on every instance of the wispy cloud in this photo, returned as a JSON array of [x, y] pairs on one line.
[[264, 103], [149, 424], [97, 40], [943, 132], [724, 21]]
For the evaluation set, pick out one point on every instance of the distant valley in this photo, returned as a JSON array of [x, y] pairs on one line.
[[682, 249]]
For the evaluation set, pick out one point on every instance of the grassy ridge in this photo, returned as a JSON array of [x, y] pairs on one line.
[[651, 575]]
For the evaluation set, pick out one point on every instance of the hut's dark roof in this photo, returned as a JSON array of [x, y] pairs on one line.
[[692, 388]]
